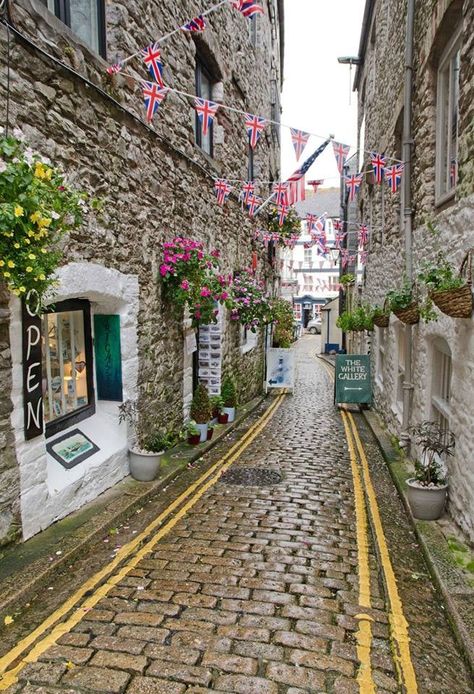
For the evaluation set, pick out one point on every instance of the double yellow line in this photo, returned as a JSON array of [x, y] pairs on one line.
[[46, 634], [366, 502]]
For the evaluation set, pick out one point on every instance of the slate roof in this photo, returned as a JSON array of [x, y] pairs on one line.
[[325, 200]]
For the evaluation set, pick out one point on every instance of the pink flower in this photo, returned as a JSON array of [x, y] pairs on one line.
[[164, 269], [197, 314], [224, 296], [184, 285], [205, 291], [215, 253]]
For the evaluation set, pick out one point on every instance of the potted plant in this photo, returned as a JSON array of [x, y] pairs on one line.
[[451, 291], [193, 433], [210, 431], [201, 410], [381, 315], [229, 396], [427, 489], [216, 406], [223, 417], [283, 319], [404, 304], [145, 449]]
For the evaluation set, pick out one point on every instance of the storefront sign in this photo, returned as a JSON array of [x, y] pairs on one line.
[[353, 383], [108, 357], [32, 370], [280, 368]]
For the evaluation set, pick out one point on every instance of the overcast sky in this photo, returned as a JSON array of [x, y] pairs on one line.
[[316, 87]]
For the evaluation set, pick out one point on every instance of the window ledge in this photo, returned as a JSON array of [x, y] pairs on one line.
[[445, 200], [248, 347]]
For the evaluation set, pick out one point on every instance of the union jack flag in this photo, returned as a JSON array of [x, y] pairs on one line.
[[152, 59], [344, 257], [340, 152], [256, 233], [299, 139], [378, 165], [363, 255], [281, 192], [296, 189], [339, 238], [222, 189], [248, 189], [353, 184], [247, 7], [153, 96], [254, 126], [275, 236], [315, 184], [311, 220], [338, 224], [113, 69], [352, 259], [253, 202], [393, 176], [282, 214], [266, 238], [363, 234], [206, 110], [196, 24]]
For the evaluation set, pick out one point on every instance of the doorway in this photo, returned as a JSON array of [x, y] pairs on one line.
[[307, 315]]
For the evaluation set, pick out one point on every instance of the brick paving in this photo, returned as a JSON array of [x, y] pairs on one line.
[[255, 590]]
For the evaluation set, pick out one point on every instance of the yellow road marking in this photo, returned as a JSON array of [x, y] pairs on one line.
[[364, 632], [10, 677], [398, 623]]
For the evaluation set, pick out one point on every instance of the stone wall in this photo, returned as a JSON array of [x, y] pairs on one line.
[[381, 105], [153, 180]]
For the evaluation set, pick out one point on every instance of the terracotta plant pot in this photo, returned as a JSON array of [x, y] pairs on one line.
[[210, 432], [223, 418], [426, 503], [194, 439]]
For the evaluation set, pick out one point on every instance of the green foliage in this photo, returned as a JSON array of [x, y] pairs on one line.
[[217, 403], [282, 338], [250, 305], [191, 428], [291, 226], [435, 444], [37, 208], [440, 276], [201, 405], [361, 318], [400, 298], [144, 431], [378, 311], [347, 279], [159, 441], [283, 318], [229, 392]]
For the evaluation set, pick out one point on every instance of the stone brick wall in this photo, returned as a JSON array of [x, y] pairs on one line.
[[380, 103], [154, 181]]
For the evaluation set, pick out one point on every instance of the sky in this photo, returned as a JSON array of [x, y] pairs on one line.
[[316, 87]]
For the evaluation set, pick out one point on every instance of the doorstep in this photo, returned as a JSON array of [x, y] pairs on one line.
[[28, 567], [445, 550]]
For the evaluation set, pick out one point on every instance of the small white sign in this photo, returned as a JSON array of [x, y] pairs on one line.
[[280, 368]]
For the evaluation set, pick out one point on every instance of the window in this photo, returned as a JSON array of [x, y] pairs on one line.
[[86, 18], [441, 384], [448, 120], [204, 90], [250, 164], [67, 365], [400, 368], [380, 358], [308, 257]]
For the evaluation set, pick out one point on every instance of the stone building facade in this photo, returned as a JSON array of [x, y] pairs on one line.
[[154, 182], [442, 189]]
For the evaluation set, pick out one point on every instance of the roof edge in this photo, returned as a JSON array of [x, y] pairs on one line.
[[364, 34]]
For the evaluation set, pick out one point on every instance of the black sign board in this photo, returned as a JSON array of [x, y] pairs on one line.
[[32, 369]]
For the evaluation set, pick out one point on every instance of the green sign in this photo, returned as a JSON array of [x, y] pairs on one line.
[[108, 359], [352, 379]]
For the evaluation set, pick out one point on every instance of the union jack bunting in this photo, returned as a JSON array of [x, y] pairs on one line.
[[299, 140], [266, 238], [153, 96], [311, 220], [254, 126], [353, 184], [363, 255], [281, 192], [253, 202], [352, 259], [206, 110], [222, 189], [196, 24], [339, 238], [256, 233], [338, 224], [321, 248], [378, 165], [363, 234], [344, 257], [393, 176], [152, 59], [340, 152], [247, 7], [315, 184], [248, 189], [113, 69], [296, 189], [275, 236], [282, 214]]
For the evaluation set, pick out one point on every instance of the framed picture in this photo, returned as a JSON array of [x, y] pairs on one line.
[[71, 448]]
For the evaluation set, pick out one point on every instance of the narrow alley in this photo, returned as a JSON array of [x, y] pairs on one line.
[[276, 574]]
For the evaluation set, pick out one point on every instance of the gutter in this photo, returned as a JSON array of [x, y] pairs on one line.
[[281, 24]]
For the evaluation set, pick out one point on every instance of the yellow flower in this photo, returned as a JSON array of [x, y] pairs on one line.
[[39, 170], [7, 274], [27, 241], [11, 263], [42, 277], [19, 211], [16, 245], [43, 250], [2, 263], [31, 256], [44, 222], [47, 174], [35, 216], [22, 289], [29, 269], [31, 233]]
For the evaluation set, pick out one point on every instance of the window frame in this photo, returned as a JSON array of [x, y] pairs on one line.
[[441, 380], [380, 356], [200, 70], [67, 420], [442, 119], [62, 11]]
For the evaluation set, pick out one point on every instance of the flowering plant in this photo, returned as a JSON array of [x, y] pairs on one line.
[[250, 305], [190, 277], [290, 227], [36, 209]]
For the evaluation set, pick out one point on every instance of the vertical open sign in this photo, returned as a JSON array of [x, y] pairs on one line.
[[32, 366]]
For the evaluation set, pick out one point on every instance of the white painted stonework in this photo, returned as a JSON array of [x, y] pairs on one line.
[[49, 491]]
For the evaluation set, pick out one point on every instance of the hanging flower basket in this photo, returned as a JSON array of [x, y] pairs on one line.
[[457, 302], [409, 315], [381, 318]]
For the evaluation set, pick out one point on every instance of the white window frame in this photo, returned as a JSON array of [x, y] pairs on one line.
[[307, 256], [444, 190], [400, 370], [441, 382], [380, 356]]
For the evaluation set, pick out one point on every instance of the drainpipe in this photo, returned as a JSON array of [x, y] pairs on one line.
[[408, 214]]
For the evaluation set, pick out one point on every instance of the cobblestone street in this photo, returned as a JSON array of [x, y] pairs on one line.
[[257, 589]]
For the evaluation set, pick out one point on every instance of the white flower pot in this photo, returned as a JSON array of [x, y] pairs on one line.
[[426, 503], [203, 431], [144, 466], [230, 411]]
